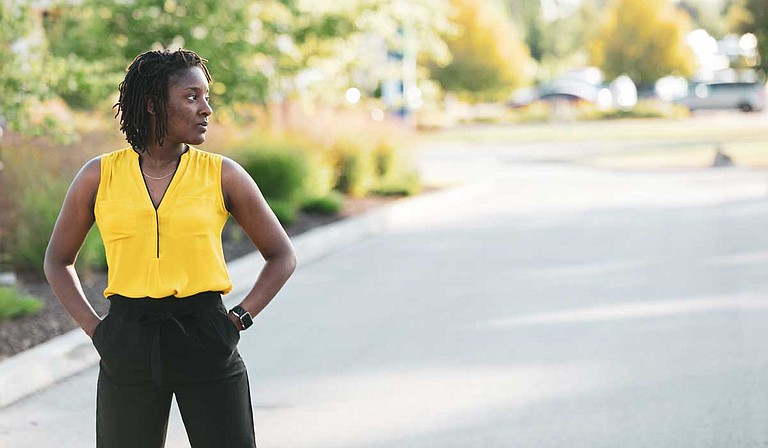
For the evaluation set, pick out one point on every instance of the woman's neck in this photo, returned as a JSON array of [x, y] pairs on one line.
[[160, 156]]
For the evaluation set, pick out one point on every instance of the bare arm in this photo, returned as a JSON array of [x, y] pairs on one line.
[[72, 226], [246, 203]]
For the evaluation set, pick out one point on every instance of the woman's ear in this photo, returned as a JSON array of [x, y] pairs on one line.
[[151, 105]]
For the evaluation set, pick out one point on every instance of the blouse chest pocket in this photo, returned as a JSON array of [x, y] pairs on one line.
[[193, 216], [116, 219]]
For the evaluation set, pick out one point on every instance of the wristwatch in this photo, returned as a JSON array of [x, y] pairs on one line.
[[245, 317]]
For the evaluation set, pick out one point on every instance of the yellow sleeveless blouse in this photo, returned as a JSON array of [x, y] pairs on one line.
[[175, 250]]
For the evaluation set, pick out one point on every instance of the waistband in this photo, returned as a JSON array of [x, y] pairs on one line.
[[131, 307], [153, 314]]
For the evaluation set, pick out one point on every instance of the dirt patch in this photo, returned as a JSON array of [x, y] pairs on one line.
[[22, 333]]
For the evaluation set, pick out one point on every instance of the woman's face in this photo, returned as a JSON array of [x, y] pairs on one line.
[[188, 108]]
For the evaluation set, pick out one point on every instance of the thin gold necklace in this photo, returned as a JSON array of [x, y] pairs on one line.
[[158, 178]]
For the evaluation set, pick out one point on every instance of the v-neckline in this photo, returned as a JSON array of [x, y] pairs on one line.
[[171, 184]]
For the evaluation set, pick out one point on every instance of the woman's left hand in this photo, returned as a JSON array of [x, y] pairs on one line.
[[235, 321]]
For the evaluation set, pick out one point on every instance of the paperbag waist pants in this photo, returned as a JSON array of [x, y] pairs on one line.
[[152, 349]]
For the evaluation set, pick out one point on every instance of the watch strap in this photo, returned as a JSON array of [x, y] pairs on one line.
[[244, 316]]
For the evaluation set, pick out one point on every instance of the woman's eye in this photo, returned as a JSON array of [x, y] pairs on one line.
[[192, 97]]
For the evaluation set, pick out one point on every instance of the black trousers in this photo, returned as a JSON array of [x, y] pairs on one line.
[[152, 349]]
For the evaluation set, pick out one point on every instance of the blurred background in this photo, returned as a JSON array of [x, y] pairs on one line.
[[327, 102], [588, 267]]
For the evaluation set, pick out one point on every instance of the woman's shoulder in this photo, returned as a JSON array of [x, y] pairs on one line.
[[92, 168], [202, 155], [120, 159], [230, 167], [122, 153]]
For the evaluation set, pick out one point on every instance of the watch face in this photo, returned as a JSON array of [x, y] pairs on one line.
[[246, 320]]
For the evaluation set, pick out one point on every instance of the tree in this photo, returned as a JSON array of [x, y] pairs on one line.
[[259, 51], [706, 15], [98, 38], [25, 71], [336, 45], [751, 16], [489, 59], [559, 41], [644, 39]]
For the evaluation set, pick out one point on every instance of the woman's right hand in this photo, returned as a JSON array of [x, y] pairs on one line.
[[91, 327]]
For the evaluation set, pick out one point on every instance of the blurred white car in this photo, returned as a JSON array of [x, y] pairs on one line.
[[747, 96]]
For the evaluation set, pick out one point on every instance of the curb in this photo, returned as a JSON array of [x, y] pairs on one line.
[[63, 356]]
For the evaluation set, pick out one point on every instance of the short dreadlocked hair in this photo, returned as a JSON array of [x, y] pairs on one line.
[[147, 79]]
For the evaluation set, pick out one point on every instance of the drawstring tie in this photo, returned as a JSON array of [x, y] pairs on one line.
[[154, 322]]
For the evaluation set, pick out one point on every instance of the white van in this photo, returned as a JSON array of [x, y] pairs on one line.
[[747, 96]]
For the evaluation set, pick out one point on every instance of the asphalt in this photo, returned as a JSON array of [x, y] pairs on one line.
[[531, 305]]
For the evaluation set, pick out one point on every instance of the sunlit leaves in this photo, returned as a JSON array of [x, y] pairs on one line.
[[644, 39], [489, 58]]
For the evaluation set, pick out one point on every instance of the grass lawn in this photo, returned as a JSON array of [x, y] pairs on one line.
[[750, 154], [656, 143]]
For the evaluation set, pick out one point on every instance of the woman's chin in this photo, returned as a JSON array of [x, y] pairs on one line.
[[199, 140]]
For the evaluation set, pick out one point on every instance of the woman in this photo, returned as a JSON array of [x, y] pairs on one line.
[[160, 206]]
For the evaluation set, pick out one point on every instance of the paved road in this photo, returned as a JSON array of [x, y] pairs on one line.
[[545, 306]]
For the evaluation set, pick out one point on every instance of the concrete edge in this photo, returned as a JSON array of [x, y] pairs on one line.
[[63, 356]]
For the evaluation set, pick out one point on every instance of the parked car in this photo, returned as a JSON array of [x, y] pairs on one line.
[[747, 96]]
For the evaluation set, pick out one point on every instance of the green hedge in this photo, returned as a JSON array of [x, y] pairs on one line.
[[279, 174], [330, 204], [13, 303], [36, 211]]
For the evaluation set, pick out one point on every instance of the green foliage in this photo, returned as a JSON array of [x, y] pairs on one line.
[[395, 175], [707, 15], [385, 157], [24, 71], [644, 39], [92, 256], [536, 112], [643, 109], [256, 49], [345, 44], [357, 168], [407, 183], [284, 210], [278, 173], [560, 42], [88, 85], [330, 204], [102, 36], [751, 16], [13, 303], [489, 59], [321, 173], [37, 211], [34, 211]]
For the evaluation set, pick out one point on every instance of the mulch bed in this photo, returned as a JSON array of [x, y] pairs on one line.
[[21, 333]]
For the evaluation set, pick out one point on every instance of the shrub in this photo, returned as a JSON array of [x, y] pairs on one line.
[[92, 255], [322, 174], [403, 184], [35, 216], [385, 157], [284, 210], [357, 169], [396, 175], [13, 303], [37, 211], [330, 204], [643, 109], [279, 174]]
